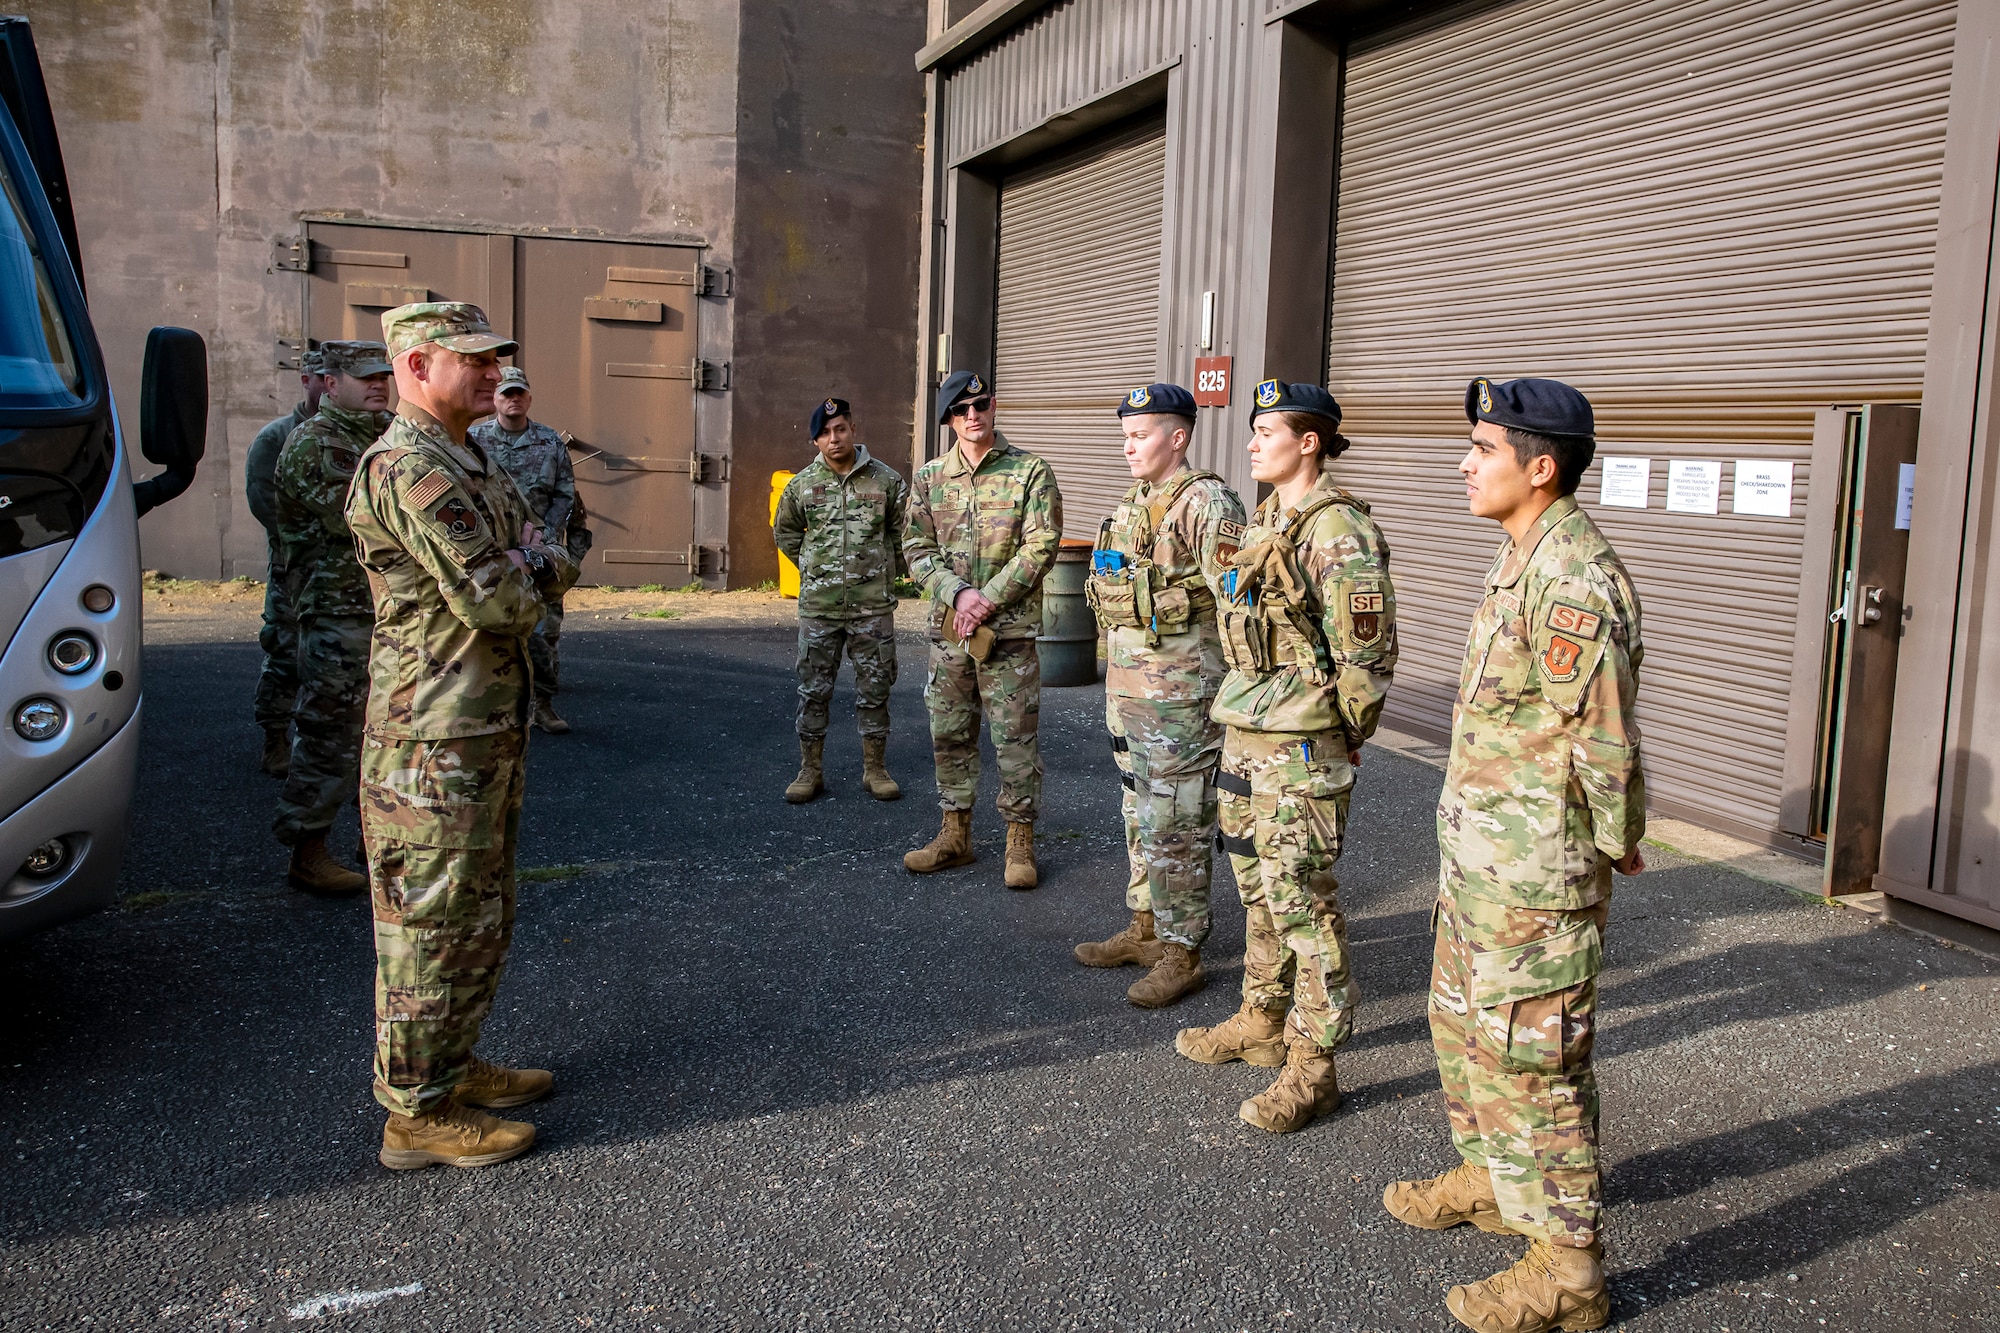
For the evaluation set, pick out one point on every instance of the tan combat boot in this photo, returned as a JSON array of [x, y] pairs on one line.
[[875, 769], [1254, 1036], [1178, 973], [497, 1087], [808, 783], [951, 847], [1021, 856], [548, 719], [1553, 1286], [1135, 944], [313, 870], [1462, 1194], [1305, 1091], [277, 760], [451, 1134]]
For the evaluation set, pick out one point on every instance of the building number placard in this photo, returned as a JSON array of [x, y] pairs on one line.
[[1211, 381]]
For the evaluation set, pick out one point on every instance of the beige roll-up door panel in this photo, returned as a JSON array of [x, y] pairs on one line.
[[1077, 313], [1711, 217]]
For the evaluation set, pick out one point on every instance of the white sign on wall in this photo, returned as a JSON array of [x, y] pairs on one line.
[[1694, 485], [1906, 494], [1764, 487], [1625, 482]]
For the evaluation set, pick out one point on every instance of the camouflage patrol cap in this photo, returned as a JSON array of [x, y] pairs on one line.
[[359, 359], [455, 326], [513, 379], [310, 362]]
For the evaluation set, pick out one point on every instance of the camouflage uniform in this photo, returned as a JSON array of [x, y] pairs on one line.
[[845, 534], [443, 761], [1309, 629], [1165, 668], [335, 613], [1543, 792], [995, 529], [278, 680], [538, 461]]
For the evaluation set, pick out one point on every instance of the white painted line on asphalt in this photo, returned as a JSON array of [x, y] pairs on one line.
[[340, 1302]]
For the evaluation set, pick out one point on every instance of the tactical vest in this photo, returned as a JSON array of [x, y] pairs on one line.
[[1267, 614], [1127, 588]]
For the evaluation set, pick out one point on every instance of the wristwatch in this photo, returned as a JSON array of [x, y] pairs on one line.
[[540, 567]]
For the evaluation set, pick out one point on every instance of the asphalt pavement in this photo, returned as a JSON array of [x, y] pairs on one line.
[[800, 1088]]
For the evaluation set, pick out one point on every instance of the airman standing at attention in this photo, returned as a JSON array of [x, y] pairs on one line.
[[336, 613], [537, 458], [985, 521], [461, 579], [1152, 585], [278, 681], [1544, 797], [841, 522], [1309, 630]]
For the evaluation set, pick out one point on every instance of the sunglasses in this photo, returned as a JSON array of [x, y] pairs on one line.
[[972, 405]]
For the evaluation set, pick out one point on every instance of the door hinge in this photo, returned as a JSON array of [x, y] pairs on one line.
[[293, 253], [289, 351], [716, 282], [709, 375], [705, 560], [708, 467]]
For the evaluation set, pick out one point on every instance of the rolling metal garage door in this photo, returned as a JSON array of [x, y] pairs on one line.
[[1711, 217], [1077, 316]]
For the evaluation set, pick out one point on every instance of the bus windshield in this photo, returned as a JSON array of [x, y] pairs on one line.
[[38, 360]]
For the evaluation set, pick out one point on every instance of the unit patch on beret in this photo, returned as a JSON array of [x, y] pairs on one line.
[[831, 408], [975, 385], [1569, 619], [427, 488], [1139, 397], [1485, 396], [1267, 393]]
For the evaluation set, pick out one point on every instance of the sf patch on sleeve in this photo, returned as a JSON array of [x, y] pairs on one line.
[[1569, 643], [1364, 614]]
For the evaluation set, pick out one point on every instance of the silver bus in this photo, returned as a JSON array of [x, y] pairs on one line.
[[70, 679]]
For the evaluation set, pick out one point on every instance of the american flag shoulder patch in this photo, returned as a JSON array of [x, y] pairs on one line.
[[427, 488]]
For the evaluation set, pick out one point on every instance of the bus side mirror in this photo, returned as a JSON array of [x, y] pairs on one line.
[[173, 399], [173, 413]]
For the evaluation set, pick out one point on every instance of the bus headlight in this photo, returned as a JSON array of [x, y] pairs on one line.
[[39, 719], [72, 652]]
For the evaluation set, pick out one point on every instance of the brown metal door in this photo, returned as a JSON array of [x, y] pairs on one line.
[[607, 334], [359, 271]]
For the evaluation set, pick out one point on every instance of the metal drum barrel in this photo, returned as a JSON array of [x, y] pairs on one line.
[[1068, 643]]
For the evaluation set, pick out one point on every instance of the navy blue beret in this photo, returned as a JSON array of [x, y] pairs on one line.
[[1171, 399], [1546, 407], [1278, 396], [962, 384], [827, 411]]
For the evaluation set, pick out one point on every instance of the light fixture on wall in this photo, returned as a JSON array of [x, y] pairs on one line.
[[943, 356], [1208, 321]]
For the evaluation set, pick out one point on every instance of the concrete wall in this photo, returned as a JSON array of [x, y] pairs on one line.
[[829, 177], [196, 135]]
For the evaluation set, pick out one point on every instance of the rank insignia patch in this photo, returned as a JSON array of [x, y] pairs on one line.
[[1364, 610], [1267, 393], [1575, 620], [456, 519], [1560, 658]]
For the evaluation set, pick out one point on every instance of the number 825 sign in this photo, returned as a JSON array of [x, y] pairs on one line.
[[1211, 381]]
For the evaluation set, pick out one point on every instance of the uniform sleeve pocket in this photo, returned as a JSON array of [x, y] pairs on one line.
[[1539, 967]]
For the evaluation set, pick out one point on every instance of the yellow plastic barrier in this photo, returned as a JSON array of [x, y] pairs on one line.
[[788, 573]]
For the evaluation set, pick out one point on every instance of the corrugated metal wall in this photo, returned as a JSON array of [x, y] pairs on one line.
[[1077, 316], [1073, 53], [1711, 217]]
